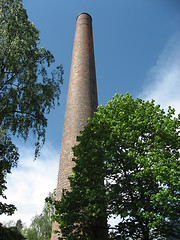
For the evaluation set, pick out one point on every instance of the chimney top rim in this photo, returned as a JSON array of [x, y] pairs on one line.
[[84, 13]]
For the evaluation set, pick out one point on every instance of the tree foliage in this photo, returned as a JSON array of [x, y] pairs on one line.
[[28, 90], [41, 225], [11, 232], [19, 225], [27, 93], [133, 145], [8, 159]]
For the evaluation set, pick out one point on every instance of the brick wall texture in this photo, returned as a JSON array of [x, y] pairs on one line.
[[81, 99]]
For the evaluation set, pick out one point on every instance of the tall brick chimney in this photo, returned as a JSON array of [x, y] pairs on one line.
[[81, 99]]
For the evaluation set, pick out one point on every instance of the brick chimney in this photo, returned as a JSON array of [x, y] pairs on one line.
[[81, 99]]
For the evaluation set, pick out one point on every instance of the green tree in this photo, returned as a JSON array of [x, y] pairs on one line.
[[8, 159], [41, 225], [11, 231], [28, 90], [19, 225], [133, 145]]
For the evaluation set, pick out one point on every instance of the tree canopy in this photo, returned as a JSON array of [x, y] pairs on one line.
[[127, 166], [12, 231], [29, 87], [41, 225]]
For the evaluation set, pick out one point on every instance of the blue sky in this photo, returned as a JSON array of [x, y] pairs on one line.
[[137, 50]]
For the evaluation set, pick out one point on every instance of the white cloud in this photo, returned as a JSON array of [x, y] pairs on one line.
[[163, 80], [30, 183]]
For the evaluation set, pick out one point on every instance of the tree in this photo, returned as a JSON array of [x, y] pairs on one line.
[[11, 231], [41, 225], [19, 225], [8, 159], [133, 145], [28, 91]]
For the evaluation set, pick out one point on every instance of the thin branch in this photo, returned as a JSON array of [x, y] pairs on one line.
[[8, 81]]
